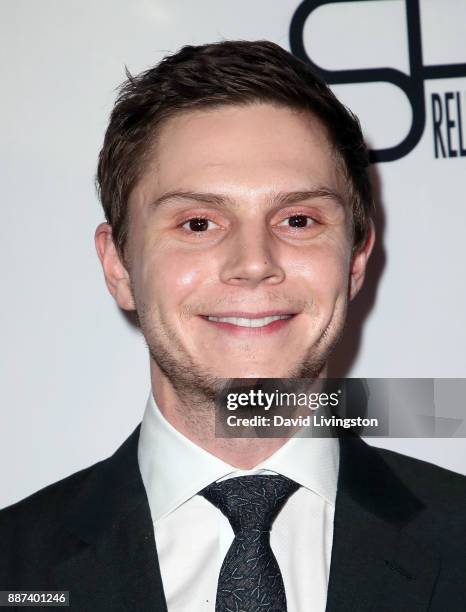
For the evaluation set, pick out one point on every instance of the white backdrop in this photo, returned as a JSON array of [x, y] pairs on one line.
[[74, 376]]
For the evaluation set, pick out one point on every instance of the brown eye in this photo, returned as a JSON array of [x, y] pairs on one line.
[[197, 224], [298, 221]]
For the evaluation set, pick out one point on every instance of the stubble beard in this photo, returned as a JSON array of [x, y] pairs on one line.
[[198, 388]]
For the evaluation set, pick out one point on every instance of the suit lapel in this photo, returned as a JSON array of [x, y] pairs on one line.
[[376, 564], [111, 561]]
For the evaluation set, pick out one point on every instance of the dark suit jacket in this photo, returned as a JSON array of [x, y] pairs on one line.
[[399, 536]]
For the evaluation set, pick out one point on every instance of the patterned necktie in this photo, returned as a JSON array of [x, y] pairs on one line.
[[250, 579]]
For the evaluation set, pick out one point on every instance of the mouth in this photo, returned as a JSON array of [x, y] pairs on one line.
[[250, 322]]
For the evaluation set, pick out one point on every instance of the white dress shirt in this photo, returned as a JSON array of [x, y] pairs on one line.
[[192, 535]]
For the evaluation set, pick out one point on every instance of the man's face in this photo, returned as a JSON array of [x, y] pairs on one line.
[[240, 245]]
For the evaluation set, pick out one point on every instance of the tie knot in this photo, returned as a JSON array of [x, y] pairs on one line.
[[250, 502]]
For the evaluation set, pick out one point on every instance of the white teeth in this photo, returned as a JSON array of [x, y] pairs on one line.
[[244, 322]]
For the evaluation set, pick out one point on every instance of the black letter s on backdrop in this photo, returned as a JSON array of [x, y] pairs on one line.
[[412, 85]]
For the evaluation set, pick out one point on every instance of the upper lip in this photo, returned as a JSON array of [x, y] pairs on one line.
[[250, 315]]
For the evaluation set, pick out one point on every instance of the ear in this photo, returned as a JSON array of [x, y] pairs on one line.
[[359, 262], [116, 275]]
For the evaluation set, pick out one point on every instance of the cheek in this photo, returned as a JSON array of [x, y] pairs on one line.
[[324, 270], [169, 277]]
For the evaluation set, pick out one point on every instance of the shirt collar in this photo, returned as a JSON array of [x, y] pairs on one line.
[[173, 468]]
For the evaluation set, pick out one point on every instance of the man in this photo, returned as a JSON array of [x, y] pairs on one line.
[[238, 229]]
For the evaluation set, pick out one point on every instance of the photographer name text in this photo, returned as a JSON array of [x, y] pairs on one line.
[[300, 421]]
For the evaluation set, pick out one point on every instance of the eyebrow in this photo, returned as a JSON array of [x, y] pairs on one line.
[[223, 201]]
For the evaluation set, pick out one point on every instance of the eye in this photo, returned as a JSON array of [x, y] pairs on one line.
[[198, 224], [298, 221]]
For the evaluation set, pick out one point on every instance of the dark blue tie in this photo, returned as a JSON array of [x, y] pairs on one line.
[[250, 579]]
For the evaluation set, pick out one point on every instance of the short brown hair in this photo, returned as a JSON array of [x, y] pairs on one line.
[[212, 75]]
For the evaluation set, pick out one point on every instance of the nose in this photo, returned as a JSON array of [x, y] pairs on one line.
[[252, 258]]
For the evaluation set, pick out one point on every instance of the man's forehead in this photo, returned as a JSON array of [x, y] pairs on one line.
[[255, 151], [255, 133]]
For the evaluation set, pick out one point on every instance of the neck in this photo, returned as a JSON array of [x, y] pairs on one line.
[[196, 421]]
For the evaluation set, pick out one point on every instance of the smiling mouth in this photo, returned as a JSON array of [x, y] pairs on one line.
[[249, 321]]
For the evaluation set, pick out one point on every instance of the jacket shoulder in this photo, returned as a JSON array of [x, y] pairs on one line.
[[54, 523], [430, 483], [32, 530], [49, 502], [53, 493], [35, 523]]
